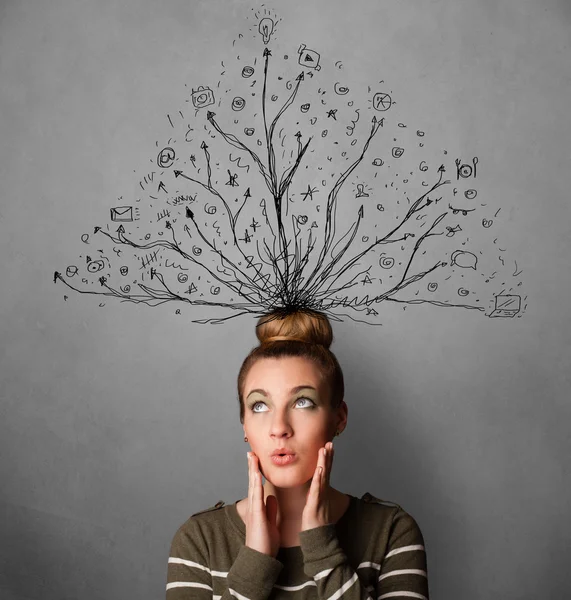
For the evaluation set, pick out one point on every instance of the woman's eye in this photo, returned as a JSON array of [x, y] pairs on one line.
[[262, 403]]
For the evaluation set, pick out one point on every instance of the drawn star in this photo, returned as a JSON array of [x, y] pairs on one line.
[[332, 113]]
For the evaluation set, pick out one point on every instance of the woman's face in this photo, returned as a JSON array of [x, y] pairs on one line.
[[286, 405]]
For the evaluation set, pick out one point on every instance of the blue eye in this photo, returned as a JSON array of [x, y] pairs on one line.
[[300, 398]]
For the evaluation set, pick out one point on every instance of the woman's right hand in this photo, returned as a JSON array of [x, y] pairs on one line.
[[262, 532]]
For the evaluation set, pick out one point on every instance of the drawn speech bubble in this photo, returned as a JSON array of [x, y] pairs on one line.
[[464, 259]]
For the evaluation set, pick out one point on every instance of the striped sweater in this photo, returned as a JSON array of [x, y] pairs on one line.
[[375, 551]]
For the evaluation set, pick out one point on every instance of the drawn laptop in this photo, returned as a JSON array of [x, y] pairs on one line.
[[506, 306]]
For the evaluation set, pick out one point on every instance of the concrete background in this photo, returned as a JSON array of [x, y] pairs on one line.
[[119, 422]]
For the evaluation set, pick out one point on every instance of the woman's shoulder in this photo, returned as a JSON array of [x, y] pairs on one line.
[[395, 519]]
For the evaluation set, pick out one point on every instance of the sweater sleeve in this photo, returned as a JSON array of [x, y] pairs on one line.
[[191, 576], [403, 570], [325, 561]]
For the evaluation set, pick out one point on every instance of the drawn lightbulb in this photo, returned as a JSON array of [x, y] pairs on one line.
[[266, 28]]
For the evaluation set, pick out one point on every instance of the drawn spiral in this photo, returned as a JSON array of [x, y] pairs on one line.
[[463, 292], [432, 286], [386, 262]]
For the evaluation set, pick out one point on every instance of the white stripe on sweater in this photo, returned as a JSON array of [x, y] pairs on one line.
[[402, 594], [404, 549], [403, 572]]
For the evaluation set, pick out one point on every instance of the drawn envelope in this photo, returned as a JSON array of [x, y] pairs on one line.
[[122, 213]]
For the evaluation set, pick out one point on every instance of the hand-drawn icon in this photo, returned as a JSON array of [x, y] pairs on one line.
[[266, 28], [238, 103], [340, 89], [397, 152], [487, 223], [382, 102], [432, 286], [182, 277], [332, 113], [360, 192], [378, 162], [464, 211], [85, 238], [308, 58], [71, 271], [124, 270], [463, 291], [453, 230], [386, 262], [249, 130], [302, 219], [125, 289], [506, 305], [210, 210], [470, 194], [423, 166], [201, 97], [247, 72], [274, 97], [464, 259], [419, 133], [465, 170], [122, 214], [95, 266], [380, 207], [166, 157], [196, 251], [304, 107]]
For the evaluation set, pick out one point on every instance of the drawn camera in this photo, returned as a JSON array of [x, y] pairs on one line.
[[308, 58], [202, 97]]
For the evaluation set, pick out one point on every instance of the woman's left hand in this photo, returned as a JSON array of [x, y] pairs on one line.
[[317, 511]]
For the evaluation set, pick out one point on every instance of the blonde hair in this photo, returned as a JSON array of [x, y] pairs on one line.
[[302, 333]]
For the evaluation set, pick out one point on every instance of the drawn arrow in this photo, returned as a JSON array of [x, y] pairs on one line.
[[247, 194], [189, 213], [162, 186]]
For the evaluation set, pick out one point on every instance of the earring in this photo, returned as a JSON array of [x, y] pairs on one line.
[[337, 433], [245, 439]]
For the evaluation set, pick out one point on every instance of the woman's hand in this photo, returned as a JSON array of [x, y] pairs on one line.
[[317, 511], [262, 532]]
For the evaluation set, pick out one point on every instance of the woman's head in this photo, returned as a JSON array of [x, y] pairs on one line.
[[291, 391], [315, 331]]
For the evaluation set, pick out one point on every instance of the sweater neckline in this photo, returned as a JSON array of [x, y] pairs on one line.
[[236, 520]]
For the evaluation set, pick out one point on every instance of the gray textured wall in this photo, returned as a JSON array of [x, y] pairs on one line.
[[117, 423]]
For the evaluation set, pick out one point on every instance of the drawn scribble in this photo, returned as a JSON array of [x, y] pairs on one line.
[[238, 103], [166, 157], [382, 101], [308, 58], [272, 237], [122, 214], [506, 305], [266, 28], [464, 259], [465, 170], [202, 96], [464, 211]]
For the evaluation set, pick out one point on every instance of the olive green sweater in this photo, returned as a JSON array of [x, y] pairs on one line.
[[375, 551]]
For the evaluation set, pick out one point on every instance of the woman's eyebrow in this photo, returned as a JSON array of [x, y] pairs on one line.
[[293, 390]]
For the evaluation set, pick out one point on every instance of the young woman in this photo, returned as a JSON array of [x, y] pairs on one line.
[[295, 536]]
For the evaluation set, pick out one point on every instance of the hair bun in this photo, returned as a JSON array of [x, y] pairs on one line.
[[301, 325]]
